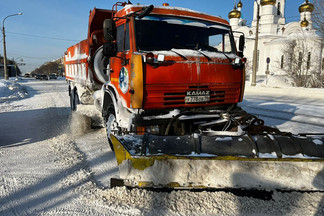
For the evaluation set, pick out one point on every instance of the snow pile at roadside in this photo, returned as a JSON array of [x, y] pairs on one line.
[[275, 91], [10, 89], [277, 81]]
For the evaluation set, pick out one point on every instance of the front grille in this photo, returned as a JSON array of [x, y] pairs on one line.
[[174, 95], [175, 98]]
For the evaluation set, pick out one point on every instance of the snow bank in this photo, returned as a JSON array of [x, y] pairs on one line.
[[277, 81], [276, 87], [11, 89]]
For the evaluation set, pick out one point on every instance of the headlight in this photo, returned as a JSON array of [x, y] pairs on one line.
[[153, 129]]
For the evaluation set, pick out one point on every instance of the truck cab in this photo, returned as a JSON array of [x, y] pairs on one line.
[[171, 60], [154, 68]]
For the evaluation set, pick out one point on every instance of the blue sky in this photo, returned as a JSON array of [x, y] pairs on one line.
[[48, 27]]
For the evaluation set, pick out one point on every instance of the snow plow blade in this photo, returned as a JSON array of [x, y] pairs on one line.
[[248, 162]]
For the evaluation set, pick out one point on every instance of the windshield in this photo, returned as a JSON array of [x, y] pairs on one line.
[[165, 33]]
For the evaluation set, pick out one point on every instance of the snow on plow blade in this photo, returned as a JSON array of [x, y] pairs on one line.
[[248, 162]]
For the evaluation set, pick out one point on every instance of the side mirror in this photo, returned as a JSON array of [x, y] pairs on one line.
[[241, 43], [241, 46], [146, 11], [109, 30], [109, 49]]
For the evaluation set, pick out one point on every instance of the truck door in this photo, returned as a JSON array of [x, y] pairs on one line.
[[120, 65]]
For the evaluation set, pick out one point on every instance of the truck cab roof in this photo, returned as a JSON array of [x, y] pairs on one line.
[[172, 11]]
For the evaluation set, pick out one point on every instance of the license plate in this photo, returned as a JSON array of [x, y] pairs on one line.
[[197, 96]]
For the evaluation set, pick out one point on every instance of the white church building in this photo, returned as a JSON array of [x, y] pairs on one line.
[[278, 41]]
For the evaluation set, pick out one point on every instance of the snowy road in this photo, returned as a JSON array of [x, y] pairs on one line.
[[36, 156], [48, 167], [290, 109]]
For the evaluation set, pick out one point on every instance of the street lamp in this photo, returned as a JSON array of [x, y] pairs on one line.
[[6, 75], [255, 52]]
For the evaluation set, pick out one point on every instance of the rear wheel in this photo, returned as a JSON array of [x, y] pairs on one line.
[[74, 100], [72, 104]]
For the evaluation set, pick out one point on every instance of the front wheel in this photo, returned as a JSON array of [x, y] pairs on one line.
[[112, 127]]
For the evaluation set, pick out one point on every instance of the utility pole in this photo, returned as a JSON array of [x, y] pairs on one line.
[[255, 52], [6, 75]]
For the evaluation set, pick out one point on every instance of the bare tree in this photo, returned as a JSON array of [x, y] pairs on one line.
[[48, 68], [301, 57], [318, 17], [248, 69]]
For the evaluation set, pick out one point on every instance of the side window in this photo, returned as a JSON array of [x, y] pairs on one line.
[[308, 60], [282, 62], [227, 43], [120, 38], [127, 42], [123, 38], [222, 42], [216, 41], [278, 10]]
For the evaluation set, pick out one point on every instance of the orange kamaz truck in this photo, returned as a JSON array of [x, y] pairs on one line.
[[168, 81]]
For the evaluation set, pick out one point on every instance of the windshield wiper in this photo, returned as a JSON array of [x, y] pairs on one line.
[[204, 54], [230, 60], [179, 54]]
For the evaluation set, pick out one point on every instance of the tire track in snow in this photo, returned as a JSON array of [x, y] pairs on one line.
[[318, 103], [285, 115], [288, 125], [9, 185]]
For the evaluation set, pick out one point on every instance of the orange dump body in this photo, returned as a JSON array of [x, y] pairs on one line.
[[78, 63]]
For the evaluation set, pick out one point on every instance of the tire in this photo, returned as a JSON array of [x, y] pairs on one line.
[[111, 126], [74, 100], [100, 63]]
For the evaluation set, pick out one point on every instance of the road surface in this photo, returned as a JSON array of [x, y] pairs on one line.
[[52, 163], [296, 110]]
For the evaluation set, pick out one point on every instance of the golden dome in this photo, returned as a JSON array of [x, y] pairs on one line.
[[306, 7], [268, 2], [304, 23], [239, 5], [234, 13]]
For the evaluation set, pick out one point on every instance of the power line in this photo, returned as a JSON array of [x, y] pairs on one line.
[[42, 36], [34, 57], [31, 57]]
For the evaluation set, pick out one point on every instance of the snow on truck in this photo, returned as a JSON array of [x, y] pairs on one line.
[[168, 81]]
